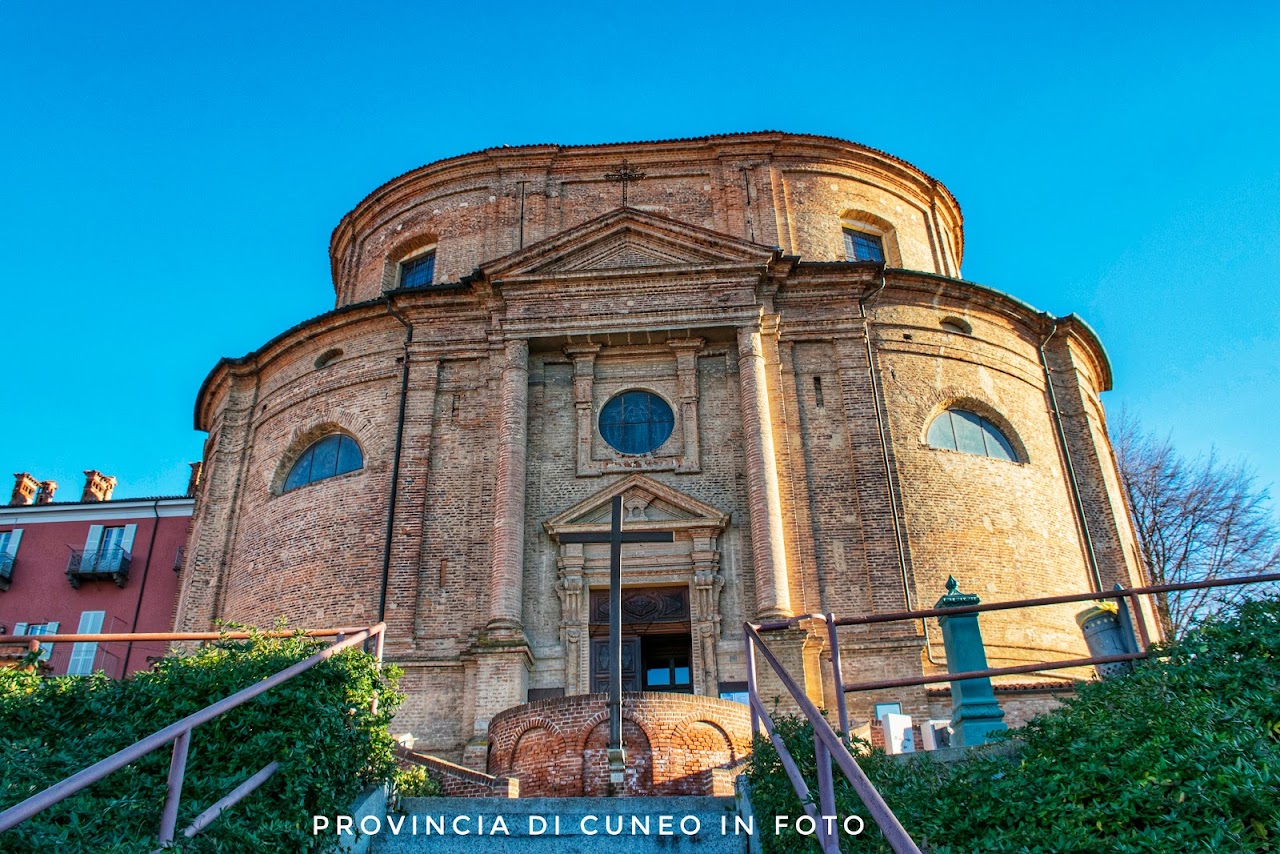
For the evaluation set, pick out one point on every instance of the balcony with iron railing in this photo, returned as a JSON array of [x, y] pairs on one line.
[[109, 563], [6, 570]]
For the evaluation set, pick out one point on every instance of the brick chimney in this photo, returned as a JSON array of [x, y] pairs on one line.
[[47, 489], [24, 489], [197, 469], [97, 486]]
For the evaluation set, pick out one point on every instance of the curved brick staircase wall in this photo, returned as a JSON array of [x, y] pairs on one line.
[[676, 745]]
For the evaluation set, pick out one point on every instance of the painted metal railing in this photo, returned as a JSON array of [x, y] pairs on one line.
[[179, 733], [828, 745]]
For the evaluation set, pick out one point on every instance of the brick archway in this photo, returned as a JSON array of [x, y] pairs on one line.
[[677, 744]]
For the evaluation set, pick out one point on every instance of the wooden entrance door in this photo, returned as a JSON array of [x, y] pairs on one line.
[[600, 665]]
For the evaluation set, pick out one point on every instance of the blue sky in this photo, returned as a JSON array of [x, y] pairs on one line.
[[170, 174]]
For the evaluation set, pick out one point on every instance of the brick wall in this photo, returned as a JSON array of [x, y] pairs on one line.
[[772, 189], [674, 743]]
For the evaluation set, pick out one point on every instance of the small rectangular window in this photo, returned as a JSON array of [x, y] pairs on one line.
[[817, 392], [419, 271], [862, 246], [51, 628]]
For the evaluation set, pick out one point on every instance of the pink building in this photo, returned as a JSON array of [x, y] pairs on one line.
[[95, 565]]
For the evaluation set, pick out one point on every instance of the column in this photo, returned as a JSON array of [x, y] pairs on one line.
[[704, 616], [507, 567], [773, 594]]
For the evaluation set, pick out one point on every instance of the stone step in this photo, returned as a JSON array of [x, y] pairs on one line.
[[666, 824]]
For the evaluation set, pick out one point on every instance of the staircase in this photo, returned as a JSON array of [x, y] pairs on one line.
[[660, 824]]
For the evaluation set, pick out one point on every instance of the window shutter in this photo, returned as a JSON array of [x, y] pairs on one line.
[[90, 622], [127, 542], [20, 629], [95, 537], [15, 537], [83, 654]]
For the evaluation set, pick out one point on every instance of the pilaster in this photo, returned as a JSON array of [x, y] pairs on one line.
[[773, 593], [507, 567]]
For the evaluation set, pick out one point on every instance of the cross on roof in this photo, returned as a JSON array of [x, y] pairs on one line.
[[624, 174]]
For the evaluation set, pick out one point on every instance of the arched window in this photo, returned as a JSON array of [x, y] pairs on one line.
[[331, 456], [961, 430], [636, 422]]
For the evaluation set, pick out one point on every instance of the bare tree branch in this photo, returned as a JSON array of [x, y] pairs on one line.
[[1196, 520]]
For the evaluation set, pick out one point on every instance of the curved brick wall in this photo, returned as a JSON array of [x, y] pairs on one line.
[[775, 473], [800, 188], [676, 745]]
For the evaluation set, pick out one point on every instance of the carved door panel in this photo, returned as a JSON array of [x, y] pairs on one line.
[[600, 665]]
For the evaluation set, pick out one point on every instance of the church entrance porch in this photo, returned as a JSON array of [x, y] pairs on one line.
[[675, 745]]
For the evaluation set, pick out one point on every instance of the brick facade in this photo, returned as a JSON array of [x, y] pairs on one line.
[[796, 477]]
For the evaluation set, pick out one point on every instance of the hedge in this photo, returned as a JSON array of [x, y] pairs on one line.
[[1181, 756], [319, 725]]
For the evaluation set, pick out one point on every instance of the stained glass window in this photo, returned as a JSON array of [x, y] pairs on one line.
[[636, 422]]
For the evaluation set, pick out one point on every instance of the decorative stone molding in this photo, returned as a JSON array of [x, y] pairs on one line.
[[594, 456], [692, 560]]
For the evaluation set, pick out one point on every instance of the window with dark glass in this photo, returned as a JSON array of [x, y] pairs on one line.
[[666, 664], [862, 246], [329, 457], [961, 430], [636, 422], [418, 271]]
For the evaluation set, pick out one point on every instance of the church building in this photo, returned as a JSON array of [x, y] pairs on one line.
[[762, 342]]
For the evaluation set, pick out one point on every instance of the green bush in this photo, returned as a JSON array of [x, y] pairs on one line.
[[415, 782], [318, 725], [1181, 756]]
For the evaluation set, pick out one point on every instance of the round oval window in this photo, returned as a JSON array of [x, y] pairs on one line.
[[636, 422]]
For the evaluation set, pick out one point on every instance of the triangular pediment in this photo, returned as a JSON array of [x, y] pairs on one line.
[[627, 240], [646, 505]]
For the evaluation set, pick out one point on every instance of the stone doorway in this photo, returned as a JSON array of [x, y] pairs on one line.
[[670, 590], [657, 644]]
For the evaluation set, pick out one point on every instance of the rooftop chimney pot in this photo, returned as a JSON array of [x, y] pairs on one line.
[[97, 486], [47, 489], [197, 469], [24, 489]]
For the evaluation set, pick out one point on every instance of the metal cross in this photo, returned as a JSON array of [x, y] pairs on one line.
[[624, 174], [615, 538]]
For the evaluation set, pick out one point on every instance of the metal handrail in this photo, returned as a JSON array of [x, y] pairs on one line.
[[827, 747], [179, 733], [182, 636], [1121, 593], [827, 744]]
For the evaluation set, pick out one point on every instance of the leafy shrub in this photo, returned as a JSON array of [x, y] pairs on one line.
[[1181, 756], [415, 782], [318, 725]]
